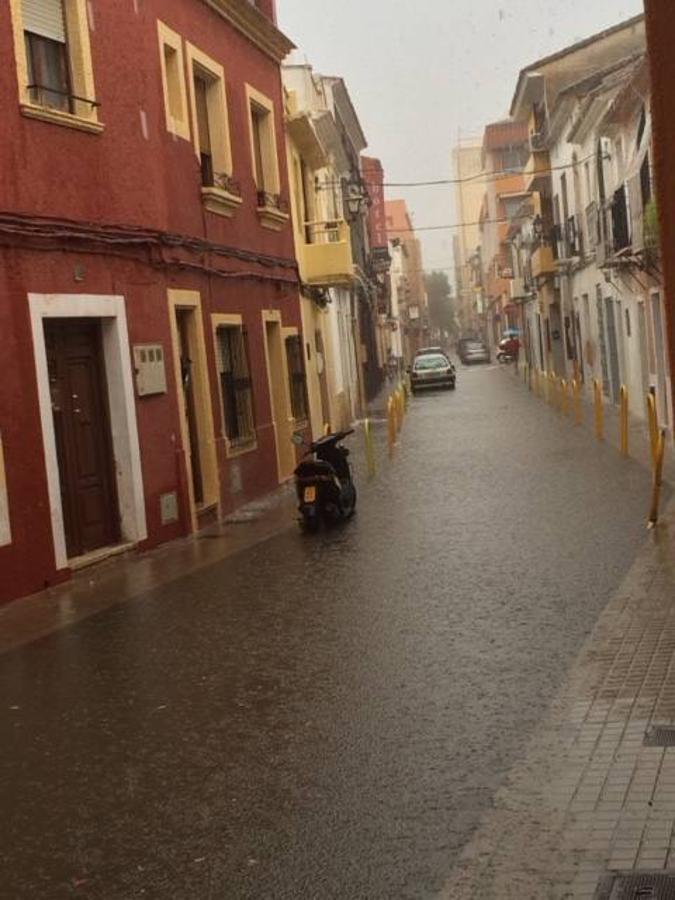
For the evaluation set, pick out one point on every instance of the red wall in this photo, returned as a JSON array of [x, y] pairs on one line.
[[660, 37], [373, 175], [120, 178]]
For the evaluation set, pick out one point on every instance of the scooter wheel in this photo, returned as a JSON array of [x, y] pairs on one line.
[[349, 510], [310, 524]]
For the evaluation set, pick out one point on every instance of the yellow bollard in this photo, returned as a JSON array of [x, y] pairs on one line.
[[391, 425], [658, 478], [406, 396], [564, 398], [326, 428], [370, 449], [398, 404], [576, 400], [624, 420], [653, 417], [599, 411]]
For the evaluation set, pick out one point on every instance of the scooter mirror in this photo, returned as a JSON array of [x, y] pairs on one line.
[[298, 439]]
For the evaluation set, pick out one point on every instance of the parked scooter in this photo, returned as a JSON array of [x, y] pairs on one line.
[[508, 350], [324, 485]]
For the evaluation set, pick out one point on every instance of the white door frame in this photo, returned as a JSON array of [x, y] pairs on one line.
[[126, 449], [5, 528]]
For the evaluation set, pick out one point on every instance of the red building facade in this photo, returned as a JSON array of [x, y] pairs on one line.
[[149, 373], [660, 18]]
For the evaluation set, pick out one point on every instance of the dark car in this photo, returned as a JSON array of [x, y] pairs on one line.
[[430, 371]]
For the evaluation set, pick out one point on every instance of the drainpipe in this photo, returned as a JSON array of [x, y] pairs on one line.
[[660, 18]]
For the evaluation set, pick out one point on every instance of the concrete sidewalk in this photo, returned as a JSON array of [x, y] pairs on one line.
[[123, 579], [592, 797]]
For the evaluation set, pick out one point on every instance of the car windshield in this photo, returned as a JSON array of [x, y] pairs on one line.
[[474, 346], [431, 362]]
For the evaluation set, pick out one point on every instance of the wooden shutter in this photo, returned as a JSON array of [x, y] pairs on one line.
[[44, 17], [202, 108]]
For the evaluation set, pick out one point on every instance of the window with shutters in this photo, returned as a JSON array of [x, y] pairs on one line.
[[211, 132], [236, 387], [44, 31], [296, 377], [172, 65], [53, 59]]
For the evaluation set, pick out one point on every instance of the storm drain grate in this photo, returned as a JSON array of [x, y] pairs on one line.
[[637, 886], [660, 736]]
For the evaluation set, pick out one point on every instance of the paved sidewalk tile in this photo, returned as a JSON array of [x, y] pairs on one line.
[[589, 797]]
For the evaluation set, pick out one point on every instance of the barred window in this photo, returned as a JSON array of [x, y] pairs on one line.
[[296, 377], [235, 384]]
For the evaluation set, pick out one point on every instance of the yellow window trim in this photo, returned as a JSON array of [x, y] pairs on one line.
[[229, 320], [179, 126], [219, 120], [272, 179], [269, 216], [288, 331], [220, 202], [81, 67], [58, 117], [182, 299]]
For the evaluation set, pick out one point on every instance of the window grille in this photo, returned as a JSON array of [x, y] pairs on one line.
[[296, 377], [235, 383]]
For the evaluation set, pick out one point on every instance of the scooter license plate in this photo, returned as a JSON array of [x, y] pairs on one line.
[[310, 494]]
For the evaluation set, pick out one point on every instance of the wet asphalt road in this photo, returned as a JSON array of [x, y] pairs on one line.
[[323, 717]]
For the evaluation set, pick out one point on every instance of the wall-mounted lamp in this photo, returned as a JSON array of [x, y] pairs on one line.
[[357, 198]]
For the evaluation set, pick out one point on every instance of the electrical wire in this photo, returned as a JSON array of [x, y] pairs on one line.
[[396, 231], [480, 177]]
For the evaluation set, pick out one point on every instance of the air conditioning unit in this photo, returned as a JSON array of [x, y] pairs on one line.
[[537, 141]]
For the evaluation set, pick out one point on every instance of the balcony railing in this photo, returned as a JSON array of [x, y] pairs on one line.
[[266, 200], [543, 261], [327, 253], [537, 171]]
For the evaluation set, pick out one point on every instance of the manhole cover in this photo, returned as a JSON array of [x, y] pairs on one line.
[[637, 886], [660, 736]]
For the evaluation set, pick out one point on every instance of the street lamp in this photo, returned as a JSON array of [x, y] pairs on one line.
[[357, 198], [538, 228]]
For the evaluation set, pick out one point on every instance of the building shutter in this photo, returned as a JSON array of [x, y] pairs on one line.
[[44, 17]]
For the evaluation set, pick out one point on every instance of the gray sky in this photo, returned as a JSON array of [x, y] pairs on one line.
[[419, 72]]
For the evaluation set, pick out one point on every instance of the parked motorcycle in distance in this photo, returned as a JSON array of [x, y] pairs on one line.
[[324, 484], [508, 350]]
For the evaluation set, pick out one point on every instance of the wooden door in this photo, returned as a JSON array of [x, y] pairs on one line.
[[83, 435], [184, 319]]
